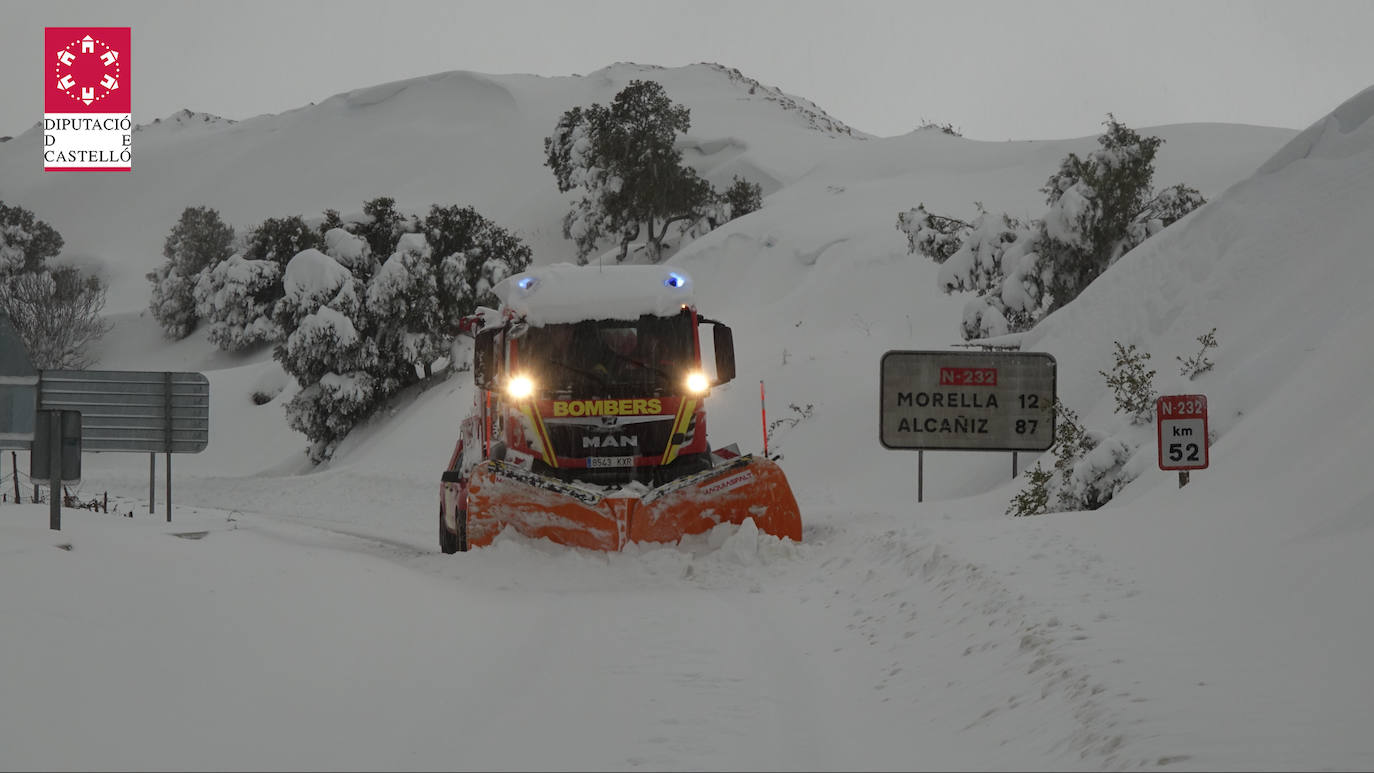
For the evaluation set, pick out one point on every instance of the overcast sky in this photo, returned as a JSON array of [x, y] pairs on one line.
[[998, 70]]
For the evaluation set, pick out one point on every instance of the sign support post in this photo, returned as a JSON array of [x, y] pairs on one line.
[[167, 402], [920, 475], [55, 470], [56, 457]]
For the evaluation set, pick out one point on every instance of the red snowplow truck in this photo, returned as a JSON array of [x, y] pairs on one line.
[[589, 426]]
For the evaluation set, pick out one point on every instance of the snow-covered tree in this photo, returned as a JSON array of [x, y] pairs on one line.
[[1100, 207], [56, 313], [354, 331], [173, 301], [741, 198], [935, 236], [198, 241], [26, 243], [403, 300], [279, 239], [323, 316], [574, 153], [629, 176], [470, 255], [384, 225], [227, 298]]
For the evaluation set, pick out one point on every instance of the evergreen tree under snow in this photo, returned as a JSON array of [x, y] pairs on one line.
[[326, 350]]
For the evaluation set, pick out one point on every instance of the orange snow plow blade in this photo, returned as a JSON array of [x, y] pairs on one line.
[[539, 507]]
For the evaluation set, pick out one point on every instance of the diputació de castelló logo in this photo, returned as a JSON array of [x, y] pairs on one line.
[[87, 120]]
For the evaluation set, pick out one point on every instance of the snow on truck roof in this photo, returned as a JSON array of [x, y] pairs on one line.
[[564, 292]]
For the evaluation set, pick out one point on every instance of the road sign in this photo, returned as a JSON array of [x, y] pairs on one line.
[[1181, 422], [65, 431], [18, 389], [130, 410], [966, 401]]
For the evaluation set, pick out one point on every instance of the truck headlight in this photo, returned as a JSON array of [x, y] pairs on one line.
[[697, 383], [520, 387]]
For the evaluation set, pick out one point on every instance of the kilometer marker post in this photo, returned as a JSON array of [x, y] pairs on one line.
[[1181, 427]]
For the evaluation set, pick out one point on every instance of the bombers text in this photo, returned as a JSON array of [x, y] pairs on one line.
[[625, 407]]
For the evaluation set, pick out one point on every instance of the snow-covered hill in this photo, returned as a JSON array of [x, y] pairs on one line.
[[1217, 626], [450, 138]]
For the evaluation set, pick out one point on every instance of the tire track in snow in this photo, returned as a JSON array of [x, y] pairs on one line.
[[998, 661]]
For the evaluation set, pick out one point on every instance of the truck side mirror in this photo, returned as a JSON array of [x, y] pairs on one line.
[[484, 358], [725, 353]]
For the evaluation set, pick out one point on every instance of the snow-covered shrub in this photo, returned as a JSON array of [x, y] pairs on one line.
[[470, 255], [198, 242], [353, 331], [56, 313], [1087, 472], [1034, 499], [934, 236], [403, 301], [270, 383], [1131, 384], [229, 298], [384, 225], [350, 250], [943, 128], [798, 415], [173, 301], [1091, 467], [994, 256], [26, 243], [1198, 364], [325, 349], [1097, 475], [741, 198], [279, 239]]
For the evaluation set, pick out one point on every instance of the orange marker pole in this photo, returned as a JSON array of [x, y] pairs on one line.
[[763, 412]]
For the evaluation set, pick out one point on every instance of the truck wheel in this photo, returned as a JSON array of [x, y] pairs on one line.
[[449, 542]]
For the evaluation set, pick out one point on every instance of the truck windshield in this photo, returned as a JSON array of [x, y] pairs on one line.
[[615, 357]]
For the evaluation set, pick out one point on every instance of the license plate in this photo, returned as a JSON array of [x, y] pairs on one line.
[[610, 461]]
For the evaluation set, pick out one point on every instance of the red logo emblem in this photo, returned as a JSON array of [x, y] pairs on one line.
[[87, 70]]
